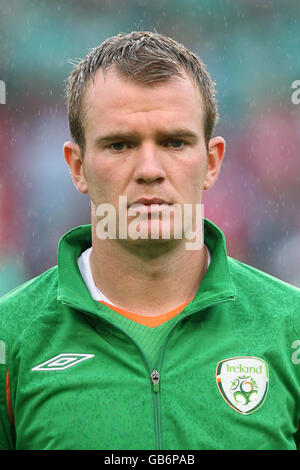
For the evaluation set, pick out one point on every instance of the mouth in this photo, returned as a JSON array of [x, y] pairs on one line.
[[149, 202]]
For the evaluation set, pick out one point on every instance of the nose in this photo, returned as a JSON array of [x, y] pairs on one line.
[[149, 167]]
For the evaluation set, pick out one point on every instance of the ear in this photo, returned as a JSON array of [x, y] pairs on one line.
[[216, 152], [74, 161]]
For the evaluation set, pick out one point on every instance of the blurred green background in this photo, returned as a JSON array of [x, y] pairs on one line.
[[252, 51]]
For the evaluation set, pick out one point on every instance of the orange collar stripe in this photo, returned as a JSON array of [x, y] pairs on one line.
[[145, 320]]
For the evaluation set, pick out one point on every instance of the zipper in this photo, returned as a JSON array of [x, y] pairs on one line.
[[155, 378], [154, 374]]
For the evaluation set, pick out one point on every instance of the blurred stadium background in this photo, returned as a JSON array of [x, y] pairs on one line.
[[252, 51]]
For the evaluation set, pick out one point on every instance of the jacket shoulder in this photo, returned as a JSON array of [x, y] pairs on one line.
[[19, 306], [261, 279], [276, 297]]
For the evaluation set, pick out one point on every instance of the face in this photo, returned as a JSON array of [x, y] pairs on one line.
[[144, 142]]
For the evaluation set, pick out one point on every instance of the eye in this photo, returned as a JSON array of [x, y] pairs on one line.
[[118, 146], [176, 143]]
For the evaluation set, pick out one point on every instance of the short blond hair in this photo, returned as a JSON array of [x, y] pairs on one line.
[[144, 57]]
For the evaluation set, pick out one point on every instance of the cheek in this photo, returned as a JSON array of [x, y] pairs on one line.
[[97, 181], [194, 170], [195, 181], [104, 182]]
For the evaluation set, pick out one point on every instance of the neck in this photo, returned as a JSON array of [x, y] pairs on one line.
[[150, 277]]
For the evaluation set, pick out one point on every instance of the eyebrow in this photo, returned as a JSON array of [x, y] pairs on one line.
[[126, 135]]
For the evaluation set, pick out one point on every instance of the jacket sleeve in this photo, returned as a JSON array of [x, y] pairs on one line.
[[297, 438], [295, 343], [6, 424]]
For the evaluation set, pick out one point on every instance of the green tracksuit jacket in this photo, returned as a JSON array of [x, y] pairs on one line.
[[225, 376]]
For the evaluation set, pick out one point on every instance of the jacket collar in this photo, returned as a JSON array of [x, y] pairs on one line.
[[216, 286]]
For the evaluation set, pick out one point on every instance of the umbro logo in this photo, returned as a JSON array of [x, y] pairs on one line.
[[63, 361]]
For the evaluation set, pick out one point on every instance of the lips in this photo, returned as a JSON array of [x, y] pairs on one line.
[[149, 201]]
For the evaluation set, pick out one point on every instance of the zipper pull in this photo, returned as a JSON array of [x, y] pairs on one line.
[[155, 377]]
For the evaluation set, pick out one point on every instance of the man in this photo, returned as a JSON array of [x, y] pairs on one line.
[[146, 342]]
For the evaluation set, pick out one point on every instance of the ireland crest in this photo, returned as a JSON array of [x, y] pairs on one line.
[[243, 382]]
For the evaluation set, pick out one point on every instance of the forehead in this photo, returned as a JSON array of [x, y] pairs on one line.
[[114, 100]]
